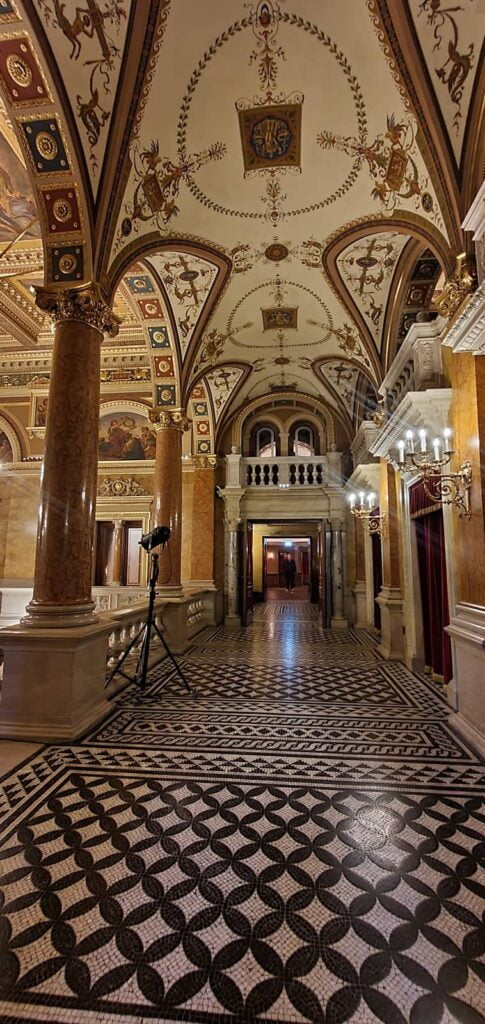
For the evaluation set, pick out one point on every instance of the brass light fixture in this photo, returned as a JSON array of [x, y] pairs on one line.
[[452, 488], [367, 512]]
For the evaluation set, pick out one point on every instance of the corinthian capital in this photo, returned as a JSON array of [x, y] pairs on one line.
[[165, 419], [85, 304]]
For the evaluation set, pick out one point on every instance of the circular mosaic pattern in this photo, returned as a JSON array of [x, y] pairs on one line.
[[62, 210], [46, 146], [166, 395], [19, 71], [276, 252], [271, 138], [67, 263], [158, 336]]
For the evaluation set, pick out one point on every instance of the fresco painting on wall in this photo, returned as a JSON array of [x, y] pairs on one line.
[[6, 453], [17, 206], [125, 437]]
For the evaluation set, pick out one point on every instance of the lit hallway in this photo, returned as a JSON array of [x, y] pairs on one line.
[[301, 843]]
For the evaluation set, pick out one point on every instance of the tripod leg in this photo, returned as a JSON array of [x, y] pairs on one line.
[[125, 654], [173, 660]]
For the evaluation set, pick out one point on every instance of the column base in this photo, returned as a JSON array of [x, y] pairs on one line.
[[467, 632], [359, 593], [339, 622], [53, 684], [59, 616], [233, 621], [391, 646], [168, 591]]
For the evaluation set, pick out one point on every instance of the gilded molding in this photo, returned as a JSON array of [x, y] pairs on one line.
[[458, 288], [85, 303], [199, 461], [170, 419], [118, 488]]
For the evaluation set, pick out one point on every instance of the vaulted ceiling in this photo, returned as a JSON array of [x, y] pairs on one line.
[[254, 183]]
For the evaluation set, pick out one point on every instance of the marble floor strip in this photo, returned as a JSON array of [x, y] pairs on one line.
[[302, 841]]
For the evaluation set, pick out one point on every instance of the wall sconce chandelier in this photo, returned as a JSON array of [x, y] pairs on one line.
[[366, 512], [442, 488]]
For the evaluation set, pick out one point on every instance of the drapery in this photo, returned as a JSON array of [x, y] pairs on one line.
[[430, 537], [377, 571]]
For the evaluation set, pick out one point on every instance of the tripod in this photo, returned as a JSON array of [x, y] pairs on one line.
[[140, 676]]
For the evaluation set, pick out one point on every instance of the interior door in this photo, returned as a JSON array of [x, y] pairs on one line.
[[265, 569], [247, 575]]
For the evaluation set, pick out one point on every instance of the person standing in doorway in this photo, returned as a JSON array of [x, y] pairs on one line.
[[289, 569]]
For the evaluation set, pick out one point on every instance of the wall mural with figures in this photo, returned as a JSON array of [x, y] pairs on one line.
[[6, 453], [125, 436], [18, 211]]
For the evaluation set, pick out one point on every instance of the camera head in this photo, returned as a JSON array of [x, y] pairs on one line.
[[159, 535]]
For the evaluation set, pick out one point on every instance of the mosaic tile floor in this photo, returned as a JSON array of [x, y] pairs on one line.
[[304, 841]]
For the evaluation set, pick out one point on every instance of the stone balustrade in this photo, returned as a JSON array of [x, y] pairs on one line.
[[284, 472], [418, 365]]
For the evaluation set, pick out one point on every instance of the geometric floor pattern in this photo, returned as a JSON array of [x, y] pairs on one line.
[[303, 841]]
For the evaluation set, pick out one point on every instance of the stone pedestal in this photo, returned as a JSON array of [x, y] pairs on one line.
[[467, 632], [390, 603], [167, 495], [53, 685], [360, 600]]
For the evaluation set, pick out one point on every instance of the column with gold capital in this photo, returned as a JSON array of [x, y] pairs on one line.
[[169, 424], [64, 553]]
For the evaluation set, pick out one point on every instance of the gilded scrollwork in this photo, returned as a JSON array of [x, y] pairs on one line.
[[86, 304]]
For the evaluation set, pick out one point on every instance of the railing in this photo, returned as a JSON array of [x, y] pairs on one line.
[[284, 472], [417, 366]]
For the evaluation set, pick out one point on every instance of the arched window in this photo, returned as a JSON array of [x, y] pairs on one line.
[[265, 443], [303, 443]]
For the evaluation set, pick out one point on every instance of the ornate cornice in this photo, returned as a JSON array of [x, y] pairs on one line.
[[169, 419], [118, 488], [199, 462], [467, 332], [85, 304], [458, 288]]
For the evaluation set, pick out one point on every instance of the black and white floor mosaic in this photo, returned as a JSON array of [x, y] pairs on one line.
[[303, 841]]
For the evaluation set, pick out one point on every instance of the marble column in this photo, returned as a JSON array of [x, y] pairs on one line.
[[231, 567], [117, 552], [202, 523], [390, 595], [55, 660], [338, 619], [167, 494], [64, 553], [358, 588]]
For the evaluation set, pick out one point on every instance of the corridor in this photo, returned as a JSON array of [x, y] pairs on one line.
[[301, 842]]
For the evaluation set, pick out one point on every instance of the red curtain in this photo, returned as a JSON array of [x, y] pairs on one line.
[[377, 571], [428, 519]]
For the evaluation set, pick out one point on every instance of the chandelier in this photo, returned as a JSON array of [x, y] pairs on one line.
[[367, 512], [449, 488]]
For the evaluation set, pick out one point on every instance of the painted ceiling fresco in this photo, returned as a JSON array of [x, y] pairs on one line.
[[245, 176]]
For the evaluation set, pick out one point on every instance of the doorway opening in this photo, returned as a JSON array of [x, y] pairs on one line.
[[287, 568], [117, 553]]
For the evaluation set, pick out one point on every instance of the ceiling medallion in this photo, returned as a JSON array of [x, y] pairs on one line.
[[271, 136], [62, 210], [46, 145], [282, 361], [276, 252], [280, 317], [366, 261], [67, 263], [20, 72], [188, 275]]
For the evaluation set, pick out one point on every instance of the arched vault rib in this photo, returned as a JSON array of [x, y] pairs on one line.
[[406, 224]]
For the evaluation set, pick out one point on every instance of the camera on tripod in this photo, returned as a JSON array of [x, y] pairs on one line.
[[156, 537], [159, 535]]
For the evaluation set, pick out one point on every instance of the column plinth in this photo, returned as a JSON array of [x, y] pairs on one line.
[[167, 495]]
